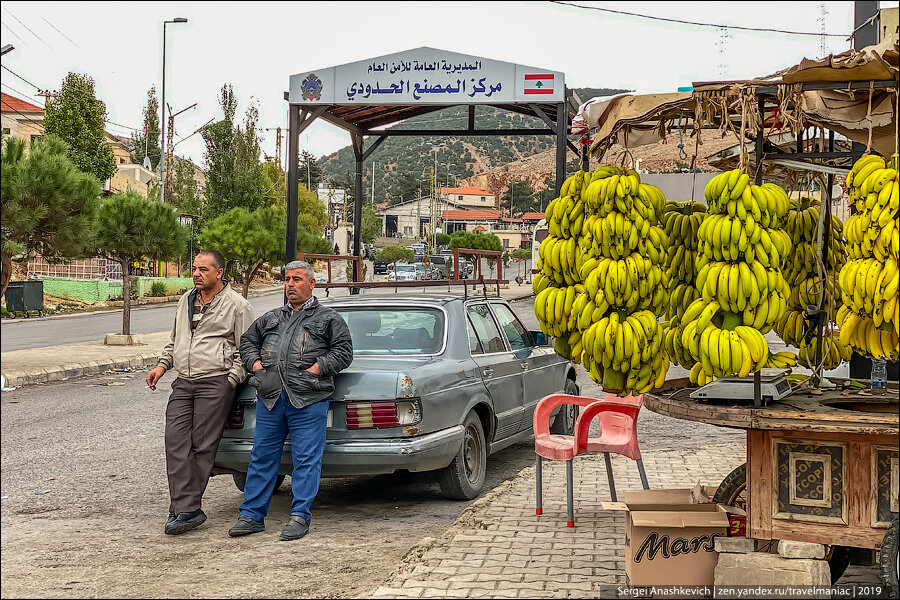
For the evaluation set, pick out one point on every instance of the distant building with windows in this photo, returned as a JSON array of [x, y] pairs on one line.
[[469, 197]]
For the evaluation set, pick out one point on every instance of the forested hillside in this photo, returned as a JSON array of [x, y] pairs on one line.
[[402, 164]]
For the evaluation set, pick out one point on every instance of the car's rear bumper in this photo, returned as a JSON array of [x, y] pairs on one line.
[[357, 457]]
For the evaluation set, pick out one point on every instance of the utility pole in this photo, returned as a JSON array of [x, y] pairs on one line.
[[373, 183], [170, 146], [277, 131]]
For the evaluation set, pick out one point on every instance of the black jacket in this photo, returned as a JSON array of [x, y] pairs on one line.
[[288, 344]]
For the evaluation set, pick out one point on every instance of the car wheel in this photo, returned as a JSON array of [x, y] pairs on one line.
[[240, 480], [733, 492], [463, 478], [564, 422]]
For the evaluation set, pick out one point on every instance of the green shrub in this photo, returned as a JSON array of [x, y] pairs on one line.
[[3, 312], [158, 288]]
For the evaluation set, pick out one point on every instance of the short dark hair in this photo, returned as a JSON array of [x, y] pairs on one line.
[[218, 260]]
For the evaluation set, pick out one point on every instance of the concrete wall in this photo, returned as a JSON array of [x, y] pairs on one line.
[[93, 292], [84, 291], [174, 285], [677, 186]]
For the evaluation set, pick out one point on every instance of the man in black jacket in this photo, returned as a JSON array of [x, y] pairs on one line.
[[293, 352]]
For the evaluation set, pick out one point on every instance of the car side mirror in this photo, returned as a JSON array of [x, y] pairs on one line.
[[539, 337]]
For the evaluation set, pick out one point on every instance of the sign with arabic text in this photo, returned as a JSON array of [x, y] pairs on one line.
[[427, 76]]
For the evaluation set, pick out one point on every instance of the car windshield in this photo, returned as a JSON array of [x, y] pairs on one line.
[[406, 268], [394, 330]]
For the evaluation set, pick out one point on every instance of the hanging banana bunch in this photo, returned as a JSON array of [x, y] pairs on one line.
[[742, 291], [870, 318]]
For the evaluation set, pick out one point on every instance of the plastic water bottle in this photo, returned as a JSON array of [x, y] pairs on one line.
[[879, 376]]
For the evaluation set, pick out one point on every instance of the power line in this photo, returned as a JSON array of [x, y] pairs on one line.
[[763, 29], [20, 77], [28, 28], [27, 118], [59, 32], [14, 33], [21, 93]]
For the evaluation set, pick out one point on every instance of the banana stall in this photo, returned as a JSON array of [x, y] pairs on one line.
[[761, 283]]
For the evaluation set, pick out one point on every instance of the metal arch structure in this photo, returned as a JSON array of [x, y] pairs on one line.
[[364, 97]]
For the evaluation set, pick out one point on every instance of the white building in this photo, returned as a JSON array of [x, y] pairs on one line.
[[469, 197]]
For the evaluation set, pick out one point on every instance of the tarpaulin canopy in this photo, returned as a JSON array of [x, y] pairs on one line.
[[831, 93]]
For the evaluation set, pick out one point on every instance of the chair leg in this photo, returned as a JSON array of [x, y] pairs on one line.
[[539, 503], [644, 483], [570, 500], [609, 475]]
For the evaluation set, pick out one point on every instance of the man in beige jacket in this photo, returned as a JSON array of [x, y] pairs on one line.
[[209, 322]]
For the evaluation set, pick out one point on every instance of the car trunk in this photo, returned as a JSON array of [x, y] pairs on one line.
[[367, 379]]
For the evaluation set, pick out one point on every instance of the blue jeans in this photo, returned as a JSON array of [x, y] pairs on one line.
[[307, 428]]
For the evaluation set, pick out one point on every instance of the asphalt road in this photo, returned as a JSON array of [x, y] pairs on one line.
[[85, 497], [22, 334]]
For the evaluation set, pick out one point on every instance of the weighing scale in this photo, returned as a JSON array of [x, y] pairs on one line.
[[773, 386]]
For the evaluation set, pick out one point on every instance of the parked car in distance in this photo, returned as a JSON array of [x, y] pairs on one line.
[[441, 266], [437, 383], [406, 272], [379, 267], [419, 247]]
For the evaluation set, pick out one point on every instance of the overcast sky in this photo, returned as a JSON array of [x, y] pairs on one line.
[[256, 46]]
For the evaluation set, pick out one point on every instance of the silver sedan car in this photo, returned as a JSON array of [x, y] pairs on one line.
[[437, 383]]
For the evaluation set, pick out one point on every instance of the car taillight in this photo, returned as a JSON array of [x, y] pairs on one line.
[[235, 417], [364, 415]]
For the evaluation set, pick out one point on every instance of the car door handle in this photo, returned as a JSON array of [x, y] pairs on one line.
[[488, 372], [524, 366]]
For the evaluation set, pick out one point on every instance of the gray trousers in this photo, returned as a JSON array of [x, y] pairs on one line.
[[195, 420]]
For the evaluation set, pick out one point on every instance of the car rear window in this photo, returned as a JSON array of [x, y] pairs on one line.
[[396, 330]]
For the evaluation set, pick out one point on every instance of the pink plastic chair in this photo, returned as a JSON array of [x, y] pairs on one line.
[[617, 419]]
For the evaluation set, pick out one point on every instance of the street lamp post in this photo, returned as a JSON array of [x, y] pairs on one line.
[[162, 187]]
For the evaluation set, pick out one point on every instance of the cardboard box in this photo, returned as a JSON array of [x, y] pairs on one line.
[[670, 540]]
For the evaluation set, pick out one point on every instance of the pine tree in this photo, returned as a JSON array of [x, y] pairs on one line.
[[131, 228], [48, 205]]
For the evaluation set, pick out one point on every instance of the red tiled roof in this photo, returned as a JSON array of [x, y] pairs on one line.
[[533, 216], [471, 215], [480, 228], [505, 220], [12, 103], [470, 190]]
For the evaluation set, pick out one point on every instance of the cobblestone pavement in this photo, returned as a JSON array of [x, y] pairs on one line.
[[499, 548]]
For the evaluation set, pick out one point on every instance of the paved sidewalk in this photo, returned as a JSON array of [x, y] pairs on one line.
[[55, 363], [499, 548]]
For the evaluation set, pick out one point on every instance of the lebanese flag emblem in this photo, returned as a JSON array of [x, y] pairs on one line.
[[539, 83]]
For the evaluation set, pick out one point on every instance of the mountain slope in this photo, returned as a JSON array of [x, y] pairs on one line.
[[403, 164]]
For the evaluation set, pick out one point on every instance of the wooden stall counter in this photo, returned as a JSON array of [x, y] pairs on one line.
[[821, 467]]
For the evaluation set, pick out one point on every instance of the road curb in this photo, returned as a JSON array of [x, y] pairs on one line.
[[72, 370]]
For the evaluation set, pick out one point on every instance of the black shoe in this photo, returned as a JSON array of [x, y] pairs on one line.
[[170, 519], [185, 521], [245, 526], [295, 529]]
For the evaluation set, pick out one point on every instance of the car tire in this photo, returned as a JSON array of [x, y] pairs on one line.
[[240, 480], [730, 493], [463, 478], [564, 422]]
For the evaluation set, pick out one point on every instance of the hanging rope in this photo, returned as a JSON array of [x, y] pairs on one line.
[[681, 153], [869, 116]]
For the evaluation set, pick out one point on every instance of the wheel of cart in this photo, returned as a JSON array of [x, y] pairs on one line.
[[733, 492], [889, 561]]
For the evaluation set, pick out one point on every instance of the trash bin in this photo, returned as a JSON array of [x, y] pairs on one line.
[[25, 296]]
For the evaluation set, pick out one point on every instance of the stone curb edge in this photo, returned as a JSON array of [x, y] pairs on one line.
[[71, 370]]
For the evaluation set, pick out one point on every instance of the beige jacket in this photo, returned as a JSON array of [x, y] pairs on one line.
[[212, 348]]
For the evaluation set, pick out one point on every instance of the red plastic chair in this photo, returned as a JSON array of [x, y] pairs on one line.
[[617, 419]]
